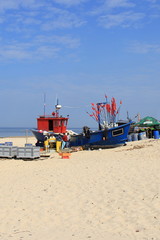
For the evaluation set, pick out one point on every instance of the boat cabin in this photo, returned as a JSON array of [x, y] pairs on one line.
[[52, 124]]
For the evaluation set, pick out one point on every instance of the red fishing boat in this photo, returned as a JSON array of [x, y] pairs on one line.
[[50, 125]]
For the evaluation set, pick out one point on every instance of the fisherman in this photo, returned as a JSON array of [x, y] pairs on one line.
[[150, 133], [58, 142], [86, 131], [68, 140], [46, 144], [64, 140]]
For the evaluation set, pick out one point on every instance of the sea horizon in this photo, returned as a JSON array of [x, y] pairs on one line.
[[15, 131], [25, 131]]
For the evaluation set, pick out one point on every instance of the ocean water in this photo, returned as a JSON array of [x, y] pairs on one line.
[[15, 132], [25, 131]]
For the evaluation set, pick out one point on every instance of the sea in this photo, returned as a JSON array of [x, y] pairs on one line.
[[23, 131], [15, 131]]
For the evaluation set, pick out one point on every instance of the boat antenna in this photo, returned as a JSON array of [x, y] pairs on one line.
[[57, 101], [44, 104], [128, 116]]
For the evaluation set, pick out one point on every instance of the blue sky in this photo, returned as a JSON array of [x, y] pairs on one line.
[[78, 50]]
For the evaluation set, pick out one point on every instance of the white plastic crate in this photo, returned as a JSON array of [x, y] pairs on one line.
[[8, 151], [28, 152]]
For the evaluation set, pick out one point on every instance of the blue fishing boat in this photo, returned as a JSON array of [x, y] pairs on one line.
[[112, 137], [109, 133]]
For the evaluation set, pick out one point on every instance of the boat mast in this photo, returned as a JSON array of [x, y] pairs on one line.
[[44, 104], [58, 107], [98, 114]]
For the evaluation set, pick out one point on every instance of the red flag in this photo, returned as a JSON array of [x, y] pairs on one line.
[[108, 107], [113, 106], [96, 117]]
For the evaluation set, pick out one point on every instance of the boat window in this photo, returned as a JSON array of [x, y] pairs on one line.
[[117, 132]]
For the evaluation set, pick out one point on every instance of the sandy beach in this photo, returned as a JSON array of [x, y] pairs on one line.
[[101, 194]]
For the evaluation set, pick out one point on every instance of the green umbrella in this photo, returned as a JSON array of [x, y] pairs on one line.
[[148, 122]]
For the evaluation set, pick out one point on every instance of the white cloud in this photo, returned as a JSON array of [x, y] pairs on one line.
[[40, 47], [124, 19], [144, 48], [46, 51], [154, 5], [152, 1], [21, 22], [10, 4], [126, 13], [110, 4], [42, 19], [70, 2], [2, 19], [66, 41], [58, 18], [15, 4], [14, 51], [33, 27], [26, 52]]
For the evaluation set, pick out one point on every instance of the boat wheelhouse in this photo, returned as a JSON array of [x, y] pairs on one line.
[[52, 124]]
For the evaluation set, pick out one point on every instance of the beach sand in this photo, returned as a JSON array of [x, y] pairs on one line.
[[99, 195]]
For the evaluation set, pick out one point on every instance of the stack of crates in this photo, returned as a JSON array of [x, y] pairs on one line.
[[28, 152], [8, 151]]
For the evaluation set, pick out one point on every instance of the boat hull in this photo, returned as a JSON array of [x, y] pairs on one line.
[[112, 137], [40, 135]]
